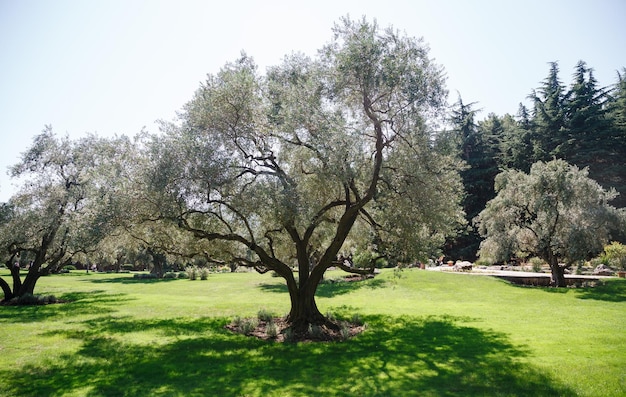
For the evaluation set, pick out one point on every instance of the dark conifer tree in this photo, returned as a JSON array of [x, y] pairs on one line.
[[616, 114], [549, 116], [478, 148]]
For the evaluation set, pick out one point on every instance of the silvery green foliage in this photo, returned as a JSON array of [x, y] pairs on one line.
[[555, 212], [279, 168]]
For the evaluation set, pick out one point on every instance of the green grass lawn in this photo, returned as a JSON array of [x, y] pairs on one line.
[[429, 334]]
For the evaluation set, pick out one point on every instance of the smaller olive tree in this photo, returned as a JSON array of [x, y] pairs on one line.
[[555, 212]]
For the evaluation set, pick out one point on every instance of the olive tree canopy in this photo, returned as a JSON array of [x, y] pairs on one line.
[[276, 170], [62, 209], [555, 212]]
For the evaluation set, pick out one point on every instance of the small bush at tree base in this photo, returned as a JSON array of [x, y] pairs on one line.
[[247, 326], [345, 331], [356, 319], [271, 330], [265, 315], [29, 299], [289, 334], [315, 331]]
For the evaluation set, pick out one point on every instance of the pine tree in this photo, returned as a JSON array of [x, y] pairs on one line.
[[616, 115], [478, 148], [588, 130], [549, 116]]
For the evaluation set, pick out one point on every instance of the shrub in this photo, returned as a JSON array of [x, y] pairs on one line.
[[29, 299], [345, 331], [615, 254], [203, 272], [128, 267], [69, 267], [192, 272], [356, 319], [144, 276], [315, 331], [170, 275], [536, 264], [248, 325], [482, 262], [290, 335], [363, 259], [265, 315], [182, 274], [382, 263], [271, 330]]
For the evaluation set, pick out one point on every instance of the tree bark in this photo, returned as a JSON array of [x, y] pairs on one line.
[[28, 286], [158, 261], [6, 288], [557, 278], [304, 310]]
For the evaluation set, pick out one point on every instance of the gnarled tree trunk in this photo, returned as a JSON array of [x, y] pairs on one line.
[[304, 310], [557, 278]]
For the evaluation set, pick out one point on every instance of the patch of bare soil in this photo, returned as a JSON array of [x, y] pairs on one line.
[[279, 330]]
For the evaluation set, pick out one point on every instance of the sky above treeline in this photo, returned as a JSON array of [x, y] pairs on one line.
[[113, 67]]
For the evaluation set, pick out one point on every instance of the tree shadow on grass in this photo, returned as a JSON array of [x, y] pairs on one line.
[[328, 289], [72, 304], [609, 291], [405, 356]]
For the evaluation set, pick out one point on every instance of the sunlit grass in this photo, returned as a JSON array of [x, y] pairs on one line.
[[428, 334]]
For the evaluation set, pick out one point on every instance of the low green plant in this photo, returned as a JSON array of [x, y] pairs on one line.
[[192, 272], [365, 259], [69, 267], [128, 266], [247, 326], [536, 264], [483, 262], [204, 272], [30, 299], [265, 315], [271, 330], [170, 275], [356, 319], [615, 255], [289, 335], [345, 331], [315, 331], [397, 272]]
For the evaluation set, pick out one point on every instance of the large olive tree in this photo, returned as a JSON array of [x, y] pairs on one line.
[[62, 209], [555, 212], [279, 168]]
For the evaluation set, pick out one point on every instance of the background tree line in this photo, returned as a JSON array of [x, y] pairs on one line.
[[583, 124]]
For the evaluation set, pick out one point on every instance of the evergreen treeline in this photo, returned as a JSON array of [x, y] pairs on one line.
[[583, 124]]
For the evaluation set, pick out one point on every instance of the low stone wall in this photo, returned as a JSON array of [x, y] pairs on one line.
[[544, 281]]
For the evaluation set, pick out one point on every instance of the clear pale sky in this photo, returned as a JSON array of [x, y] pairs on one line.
[[114, 66]]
